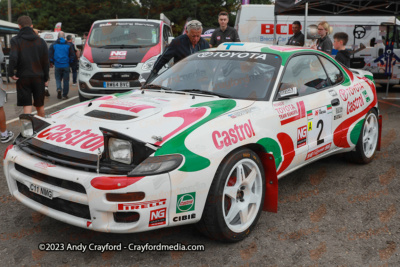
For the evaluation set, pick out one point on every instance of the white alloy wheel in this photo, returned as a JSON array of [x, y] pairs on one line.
[[242, 195], [370, 135]]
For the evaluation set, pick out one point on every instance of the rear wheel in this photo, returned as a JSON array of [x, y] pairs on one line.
[[368, 140], [236, 197]]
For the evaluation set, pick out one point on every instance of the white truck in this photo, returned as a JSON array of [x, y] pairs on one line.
[[255, 23]]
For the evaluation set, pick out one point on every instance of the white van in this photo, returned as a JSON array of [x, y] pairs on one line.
[[255, 23], [51, 37], [120, 52]]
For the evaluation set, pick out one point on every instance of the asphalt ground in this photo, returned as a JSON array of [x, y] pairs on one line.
[[331, 213]]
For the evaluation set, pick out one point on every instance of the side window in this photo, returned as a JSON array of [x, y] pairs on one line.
[[306, 73], [334, 74]]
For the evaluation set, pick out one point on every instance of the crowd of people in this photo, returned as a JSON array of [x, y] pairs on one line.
[[31, 59]]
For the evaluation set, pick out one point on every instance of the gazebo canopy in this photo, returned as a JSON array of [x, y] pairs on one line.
[[339, 7]]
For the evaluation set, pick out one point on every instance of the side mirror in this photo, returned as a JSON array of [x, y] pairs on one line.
[[286, 93], [170, 39]]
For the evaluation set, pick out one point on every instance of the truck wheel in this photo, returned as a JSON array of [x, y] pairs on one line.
[[82, 98], [235, 199], [368, 141]]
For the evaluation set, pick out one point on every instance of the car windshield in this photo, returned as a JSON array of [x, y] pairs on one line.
[[124, 34], [239, 75]]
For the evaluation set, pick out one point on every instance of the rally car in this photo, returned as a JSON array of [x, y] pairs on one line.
[[205, 142]]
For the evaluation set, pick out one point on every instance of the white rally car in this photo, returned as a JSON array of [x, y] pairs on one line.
[[205, 142]]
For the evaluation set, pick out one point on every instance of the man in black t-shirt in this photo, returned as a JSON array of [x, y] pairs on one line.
[[298, 38], [224, 33]]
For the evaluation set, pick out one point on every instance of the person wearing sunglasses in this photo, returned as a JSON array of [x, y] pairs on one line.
[[324, 43], [182, 46]]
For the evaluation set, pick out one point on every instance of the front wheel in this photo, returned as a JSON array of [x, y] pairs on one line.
[[368, 141], [236, 197]]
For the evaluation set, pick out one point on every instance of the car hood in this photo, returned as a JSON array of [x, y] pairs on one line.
[[120, 55], [152, 117]]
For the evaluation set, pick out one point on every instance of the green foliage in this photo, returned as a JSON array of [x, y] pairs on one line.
[[78, 15]]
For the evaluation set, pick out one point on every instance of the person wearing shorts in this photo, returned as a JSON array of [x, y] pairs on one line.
[[29, 56], [6, 136]]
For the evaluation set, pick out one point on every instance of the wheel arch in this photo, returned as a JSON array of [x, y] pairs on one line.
[[378, 148], [271, 178]]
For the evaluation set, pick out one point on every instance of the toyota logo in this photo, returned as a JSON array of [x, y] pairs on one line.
[[116, 66]]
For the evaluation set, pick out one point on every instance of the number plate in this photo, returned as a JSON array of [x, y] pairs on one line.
[[116, 84], [41, 191]]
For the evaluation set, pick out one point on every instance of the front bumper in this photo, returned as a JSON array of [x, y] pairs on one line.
[[75, 201], [90, 86]]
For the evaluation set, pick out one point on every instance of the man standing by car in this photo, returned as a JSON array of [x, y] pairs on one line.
[[61, 55], [74, 64], [224, 33], [298, 37], [29, 55], [182, 46]]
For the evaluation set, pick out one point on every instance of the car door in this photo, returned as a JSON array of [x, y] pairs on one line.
[[312, 133]]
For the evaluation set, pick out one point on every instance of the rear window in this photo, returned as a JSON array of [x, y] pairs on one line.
[[137, 34]]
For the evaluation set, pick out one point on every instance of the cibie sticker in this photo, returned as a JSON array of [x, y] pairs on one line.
[[158, 217], [185, 202]]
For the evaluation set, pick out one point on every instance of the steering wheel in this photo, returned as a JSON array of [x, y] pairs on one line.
[[359, 32]]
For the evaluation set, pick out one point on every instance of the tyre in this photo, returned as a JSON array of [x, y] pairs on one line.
[[368, 141], [82, 98], [236, 197]]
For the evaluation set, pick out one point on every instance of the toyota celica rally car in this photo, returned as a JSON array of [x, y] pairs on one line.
[[205, 142]]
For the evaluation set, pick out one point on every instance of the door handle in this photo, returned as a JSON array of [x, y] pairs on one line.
[[335, 102]]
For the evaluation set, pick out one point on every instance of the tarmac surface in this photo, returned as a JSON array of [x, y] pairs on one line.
[[330, 213]]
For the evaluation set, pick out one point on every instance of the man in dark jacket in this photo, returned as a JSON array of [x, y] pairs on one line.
[[182, 46], [29, 55], [74, 64], [224, 33], [298, 37], [61, 55]]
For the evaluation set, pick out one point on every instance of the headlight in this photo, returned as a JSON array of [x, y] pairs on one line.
[[148, 65], [157, 165], [85, 64], [120, 150], [26, 128]]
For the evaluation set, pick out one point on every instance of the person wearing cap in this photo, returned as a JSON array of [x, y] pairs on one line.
[[182, 46], [298, 37], [224, 33]]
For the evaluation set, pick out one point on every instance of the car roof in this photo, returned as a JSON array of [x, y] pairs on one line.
[[258, 47], [127, 20]]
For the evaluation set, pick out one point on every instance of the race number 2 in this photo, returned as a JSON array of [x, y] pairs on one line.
[[319, 127]]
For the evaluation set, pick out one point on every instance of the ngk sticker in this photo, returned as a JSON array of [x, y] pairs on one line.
[[158, 217], [302, 136], [118, 55]]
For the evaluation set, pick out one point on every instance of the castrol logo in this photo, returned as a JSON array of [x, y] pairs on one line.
[[233, 135], [75, 138]]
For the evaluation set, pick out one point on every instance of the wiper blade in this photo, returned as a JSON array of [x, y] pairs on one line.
[[205, 92], [120, 46], [155, 86]]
